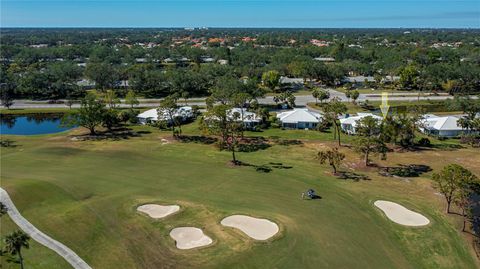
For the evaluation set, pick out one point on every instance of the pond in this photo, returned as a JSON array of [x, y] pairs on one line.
[[31, 124]]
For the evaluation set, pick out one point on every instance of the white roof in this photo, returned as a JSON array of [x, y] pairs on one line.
[[299, 115], [247, 115], [287, 80], [152, 114], [325, 59], [149, 114], [353, 120], [446, 123]]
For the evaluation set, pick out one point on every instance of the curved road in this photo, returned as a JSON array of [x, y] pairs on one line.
[[62, 250]]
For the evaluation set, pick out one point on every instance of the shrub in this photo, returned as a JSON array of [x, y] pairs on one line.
[[424, 142]]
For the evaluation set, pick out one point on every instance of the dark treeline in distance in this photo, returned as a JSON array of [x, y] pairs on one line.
[[64, 63]]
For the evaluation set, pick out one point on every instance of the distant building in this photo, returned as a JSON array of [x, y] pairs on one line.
[[86, 84], [325, 59], [358, 79], [291, 81], [223, 62]]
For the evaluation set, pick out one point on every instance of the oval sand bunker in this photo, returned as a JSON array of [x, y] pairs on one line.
[[189, 237], [400, 214], [158, 211], [258, 229]]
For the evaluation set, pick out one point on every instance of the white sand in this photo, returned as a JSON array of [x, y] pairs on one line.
[[158, 211], [258, 229], [400, 214], [190, 237]]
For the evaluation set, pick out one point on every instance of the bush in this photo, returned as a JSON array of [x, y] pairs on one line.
[[128, 116], [424, 142]]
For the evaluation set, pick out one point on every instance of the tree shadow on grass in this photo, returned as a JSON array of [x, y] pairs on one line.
[[351, 176], [409, 170], [447, 147], [200, 139], [285, 142], [252, 144], [119, 133], [265, 168], [7, 143]]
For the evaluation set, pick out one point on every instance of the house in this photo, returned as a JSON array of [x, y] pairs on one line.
[[299, 119], [141, 60], [358, 79], [250, 119], [152, 115], [349, 124], [446, 126], [86, 84], [291, 81], [325, 59], [222, 62], [208, 59]]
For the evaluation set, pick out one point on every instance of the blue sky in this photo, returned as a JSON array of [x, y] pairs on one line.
[[256, 13]]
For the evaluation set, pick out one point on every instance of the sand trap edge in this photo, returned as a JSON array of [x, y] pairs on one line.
[[141, 212], [210, 240], [275, 236], [426, 221]]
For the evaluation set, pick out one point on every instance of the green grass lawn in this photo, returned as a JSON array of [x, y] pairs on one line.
[[84, 194]]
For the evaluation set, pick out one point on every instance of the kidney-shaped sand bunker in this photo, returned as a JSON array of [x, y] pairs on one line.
[[158, 211], [258, 229], [401, 215], [189, 237]]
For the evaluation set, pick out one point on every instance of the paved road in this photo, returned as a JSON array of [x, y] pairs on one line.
[[40, 237], [301, 100]]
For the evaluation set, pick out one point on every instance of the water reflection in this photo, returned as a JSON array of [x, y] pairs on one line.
[[31, 124]]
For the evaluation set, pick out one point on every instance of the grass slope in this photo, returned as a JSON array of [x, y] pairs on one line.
[[84, 194]]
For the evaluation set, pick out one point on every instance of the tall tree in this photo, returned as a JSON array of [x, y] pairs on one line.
[[110, 99], [104, 74], [354, 95], [89, 115], [168, 108], [332, 111], [271, 79], [131, 99], [450, 180], [14, 243], [320, 94], [368, 140], [6, 97], [219, 121], [333, 156]]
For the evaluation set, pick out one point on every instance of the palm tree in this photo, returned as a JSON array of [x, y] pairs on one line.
[[14, 243]]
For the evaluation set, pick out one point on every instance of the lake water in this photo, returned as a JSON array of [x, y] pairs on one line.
[[31, 124]]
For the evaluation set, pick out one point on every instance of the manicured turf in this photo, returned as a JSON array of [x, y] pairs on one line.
[[84, 194]]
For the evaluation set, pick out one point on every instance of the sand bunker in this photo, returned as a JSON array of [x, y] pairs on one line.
[[158, 211], [190, 237], [400, 214], [258, 229]]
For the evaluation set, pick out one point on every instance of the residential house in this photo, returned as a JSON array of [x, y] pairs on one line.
[[349, 124], [152, 115], [441, 126], [299, 119]]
